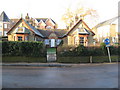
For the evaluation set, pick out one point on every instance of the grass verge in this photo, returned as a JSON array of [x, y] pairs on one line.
[[16, 59], [95, 59], [82, 59]]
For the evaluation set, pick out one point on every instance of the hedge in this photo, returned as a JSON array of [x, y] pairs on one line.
[[11, 48], [86, 59], [89, 51]]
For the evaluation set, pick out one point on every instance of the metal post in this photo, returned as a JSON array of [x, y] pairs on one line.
[[109, 54], [90, 59]]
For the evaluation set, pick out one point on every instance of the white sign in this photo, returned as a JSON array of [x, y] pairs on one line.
[[52, 42]]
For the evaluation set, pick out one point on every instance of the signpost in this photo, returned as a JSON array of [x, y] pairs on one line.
[[107, 42]]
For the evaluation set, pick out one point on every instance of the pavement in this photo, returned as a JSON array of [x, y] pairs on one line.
[[51, 64]]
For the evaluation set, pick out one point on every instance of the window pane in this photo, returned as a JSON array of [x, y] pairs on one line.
[[47, 41], [5, 25], [82, 40], [5, 33], [58, 41], [19, 38], [0, 25]]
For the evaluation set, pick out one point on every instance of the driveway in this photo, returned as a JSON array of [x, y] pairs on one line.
[[79, 76]]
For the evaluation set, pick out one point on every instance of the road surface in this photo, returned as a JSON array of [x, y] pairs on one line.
[[80, 76]]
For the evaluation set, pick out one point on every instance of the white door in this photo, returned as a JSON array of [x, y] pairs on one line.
[[52, 42]]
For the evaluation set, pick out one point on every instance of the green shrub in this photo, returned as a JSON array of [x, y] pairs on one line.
[[89, 51], [113, 50]]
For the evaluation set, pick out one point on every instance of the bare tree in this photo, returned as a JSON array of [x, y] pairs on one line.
[[72, 16]]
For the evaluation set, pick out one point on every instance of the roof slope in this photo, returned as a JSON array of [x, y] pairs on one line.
[[33, 28], [59, 32], [4, 17], [30, 26], [107, 22]]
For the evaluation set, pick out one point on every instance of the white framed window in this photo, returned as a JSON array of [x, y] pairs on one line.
[[5, 25], [5, 33], [46, 41], [58, 41]]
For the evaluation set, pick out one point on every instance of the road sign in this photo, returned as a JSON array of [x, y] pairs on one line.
[[107, 41]]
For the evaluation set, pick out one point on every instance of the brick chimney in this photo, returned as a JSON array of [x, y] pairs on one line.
[[27, 18]]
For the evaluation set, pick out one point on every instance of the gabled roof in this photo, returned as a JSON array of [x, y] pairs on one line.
[[30, 26], [4, 17], [44, 20], [79, 21]]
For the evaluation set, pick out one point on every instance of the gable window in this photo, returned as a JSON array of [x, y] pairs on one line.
[[20, 29], [82, 40], [19, 38], [5, 25]]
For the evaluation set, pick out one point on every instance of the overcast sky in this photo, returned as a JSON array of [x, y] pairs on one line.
[[56, 8]]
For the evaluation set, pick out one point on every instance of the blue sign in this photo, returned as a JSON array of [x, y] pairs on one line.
[[107, 41]]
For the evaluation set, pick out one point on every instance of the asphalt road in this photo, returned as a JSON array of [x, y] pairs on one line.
[[80, 76]]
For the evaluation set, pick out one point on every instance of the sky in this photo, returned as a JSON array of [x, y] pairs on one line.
[[54, 9]]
